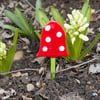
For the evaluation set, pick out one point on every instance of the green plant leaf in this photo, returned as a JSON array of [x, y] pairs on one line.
[[37, 32], [85, 7], [14, 19], [69, 45], [57, 16], [90, 46], [24, 28], [23, 20], [10, 54], [88, 14], [42, 17], [38, 6], [10, 27], [34, 36]]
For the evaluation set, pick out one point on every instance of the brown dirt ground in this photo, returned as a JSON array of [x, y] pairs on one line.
[[77, 82]]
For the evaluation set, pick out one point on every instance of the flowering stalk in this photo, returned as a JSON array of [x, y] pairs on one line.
[[77, 31], [6, 58]]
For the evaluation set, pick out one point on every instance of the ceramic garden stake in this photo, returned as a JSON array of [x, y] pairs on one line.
[[52, 43]]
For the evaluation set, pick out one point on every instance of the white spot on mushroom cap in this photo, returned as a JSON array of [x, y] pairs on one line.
[[61, 48], [59, 34], [48, 39], [44, 49], [47, 28]]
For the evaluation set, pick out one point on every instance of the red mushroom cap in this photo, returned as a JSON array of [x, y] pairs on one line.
[[52, 41]]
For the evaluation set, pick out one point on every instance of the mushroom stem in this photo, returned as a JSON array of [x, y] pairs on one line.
[[52, 68]]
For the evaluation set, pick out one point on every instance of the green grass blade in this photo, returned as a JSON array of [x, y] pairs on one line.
[[57, 16], [85, 7], [90, 46], [38, 6], [43, 19], [23, 20], [14, 19], [10, 27], [38, 34], [15, 37], [7, 64], [88, 14]]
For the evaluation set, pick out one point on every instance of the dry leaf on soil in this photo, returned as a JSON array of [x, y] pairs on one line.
[[18, 55], [94, 68]]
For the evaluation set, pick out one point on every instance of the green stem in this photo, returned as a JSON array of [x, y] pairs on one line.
[[53, 68]]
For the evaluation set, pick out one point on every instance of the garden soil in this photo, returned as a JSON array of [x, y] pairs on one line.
[[74, 84]]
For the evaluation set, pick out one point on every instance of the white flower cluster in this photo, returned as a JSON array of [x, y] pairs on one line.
[[2, 51], [78, 24]]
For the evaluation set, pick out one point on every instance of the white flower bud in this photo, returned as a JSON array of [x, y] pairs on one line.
[[84, 20], [2, 50], [73, 40], [76, 33], [70, 16], [67, 26], [83, 37], [83, 27], [75, 14], [73, 23]]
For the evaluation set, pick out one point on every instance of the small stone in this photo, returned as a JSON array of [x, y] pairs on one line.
[[94, 94], [18, 55], [63, 11], [47, 9], [26, 98], [62, 5], [24, 74], [26, 40], [70, 8], [38, 84], [54, 4], [88, 82], [25, 47], [2, 91], [16, 74], [93, 11], [98, 48], [78, 81], [43, 84], [30, 87]]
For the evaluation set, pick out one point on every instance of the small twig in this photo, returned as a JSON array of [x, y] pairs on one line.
[[41, 77], [42, 95], [20, 70], [43, 73], [72, 67], [97, 11], [38, 91], [30, 4]]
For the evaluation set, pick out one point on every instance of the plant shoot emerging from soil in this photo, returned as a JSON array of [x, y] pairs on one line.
[[6, 58]]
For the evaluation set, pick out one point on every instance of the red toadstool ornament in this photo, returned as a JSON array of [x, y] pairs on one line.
[[52, 41]]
